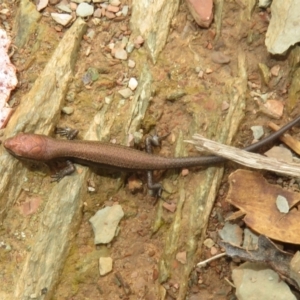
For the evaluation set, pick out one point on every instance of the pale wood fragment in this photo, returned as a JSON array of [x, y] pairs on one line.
[[252, 160], [287, 139]]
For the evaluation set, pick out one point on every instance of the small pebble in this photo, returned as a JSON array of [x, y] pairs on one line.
[[62, 19], [41, 5], [121, 54], [275, 70], [67, 110], [181, 257], [97, 13], [64, 7], [91, 34], [208, 71], [109, 15], [131, 63], [184, 172], [225, 105], [112, 8], [220, 58], [53, 2], [73, 6], [105, 265], [111, 46], [91, 189], [201, 74], [134, 184], [258, 132], [124, 42], [84, 10], [132, 84], [107, 100], [264, 3], [138, 41], [125, 10], [125, 93], [115, 2], [129, 47], [96, 21], [213, 251], [209, 243], [169, 206], [58, 28], [275, 107]]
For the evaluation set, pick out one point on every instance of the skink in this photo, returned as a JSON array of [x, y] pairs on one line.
[[43, 148]]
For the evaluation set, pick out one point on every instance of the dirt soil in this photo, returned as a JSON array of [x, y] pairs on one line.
[[136, 250]]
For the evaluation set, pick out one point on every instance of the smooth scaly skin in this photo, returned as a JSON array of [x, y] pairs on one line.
[[43, 148]]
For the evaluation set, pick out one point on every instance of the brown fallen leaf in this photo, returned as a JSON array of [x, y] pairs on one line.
[[255, 197]]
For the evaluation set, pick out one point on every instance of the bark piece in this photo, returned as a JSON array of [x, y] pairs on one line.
[[152, 20], [39, 111]]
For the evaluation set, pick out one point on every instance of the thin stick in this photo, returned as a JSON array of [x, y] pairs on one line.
[[204, 262], [252, 160], [287, 139]]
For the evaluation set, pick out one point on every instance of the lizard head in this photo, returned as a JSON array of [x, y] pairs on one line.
[[26, 145]]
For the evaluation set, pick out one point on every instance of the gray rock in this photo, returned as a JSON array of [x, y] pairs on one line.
[[256, 281], [258, 132], [84, 10], [64, 7], [283, 30], [62, 19], [105, 223], [231, 233], [280, 153]]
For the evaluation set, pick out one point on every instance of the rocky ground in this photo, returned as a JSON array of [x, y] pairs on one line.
[[118, 71]]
